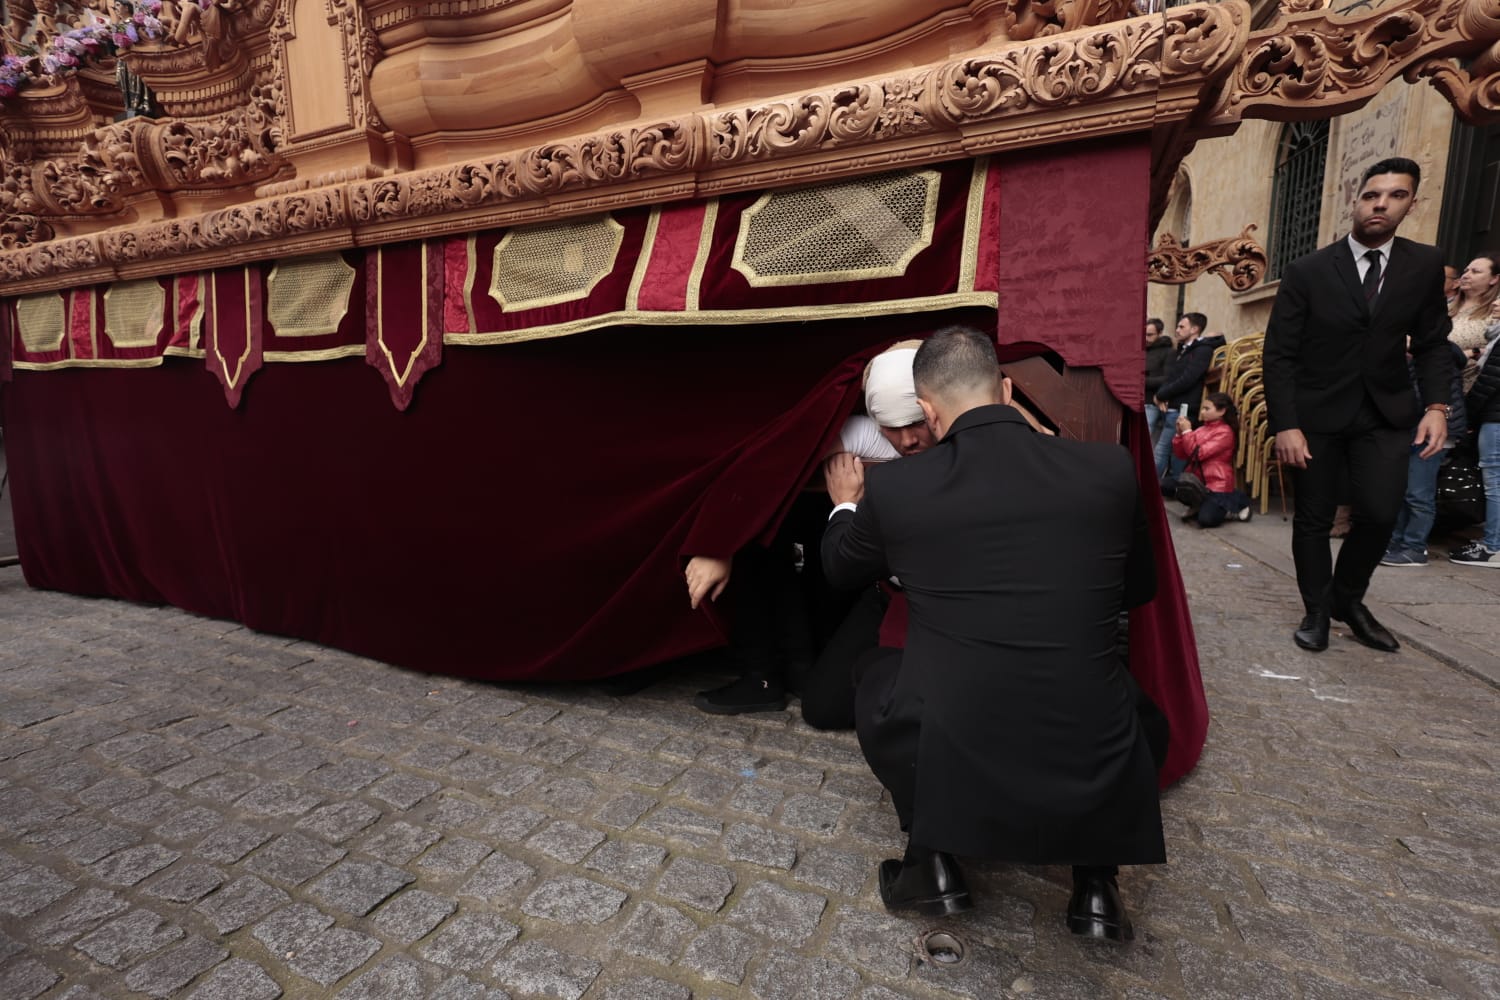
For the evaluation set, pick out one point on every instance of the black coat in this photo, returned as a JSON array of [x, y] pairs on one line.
[[1017, 551], [1158, 357], [1185, 373], [1326, 348], [1483, 400]]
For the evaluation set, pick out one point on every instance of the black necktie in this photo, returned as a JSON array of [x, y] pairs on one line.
[[1372, 276]]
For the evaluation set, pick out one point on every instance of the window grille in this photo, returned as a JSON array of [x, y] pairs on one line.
[[1297, 193]]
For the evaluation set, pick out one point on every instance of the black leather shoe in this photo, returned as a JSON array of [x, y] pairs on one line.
[[926, 882], [1312, 634], [751, 693], [1365, 629], [1095, 909]]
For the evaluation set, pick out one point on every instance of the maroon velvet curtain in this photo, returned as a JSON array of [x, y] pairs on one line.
[[526, 516]]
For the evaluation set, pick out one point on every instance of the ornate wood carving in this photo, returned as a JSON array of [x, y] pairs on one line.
[[1319, 64], [1186, 73], [1239, 260], [1027, 19]]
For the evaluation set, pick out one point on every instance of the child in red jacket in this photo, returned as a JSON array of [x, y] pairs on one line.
[[1209, 453]]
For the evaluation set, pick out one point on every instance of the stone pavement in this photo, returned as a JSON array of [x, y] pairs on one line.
[[190, 809]]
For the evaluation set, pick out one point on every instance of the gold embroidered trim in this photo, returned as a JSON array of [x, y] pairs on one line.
[[471, 250], [642, 262], [968, 265], [48, 366], [725, 317], [309, 297], [557, 262], [390, 359], [325, 354], [43, 322], [700, 261], [239, 365], [855, 230]]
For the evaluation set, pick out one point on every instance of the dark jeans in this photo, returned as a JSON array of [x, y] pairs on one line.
[[1374, 454], [1220, 506], [1419, 508]]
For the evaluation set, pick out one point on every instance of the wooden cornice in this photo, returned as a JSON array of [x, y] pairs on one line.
[[1183, 74], [1104, 80]]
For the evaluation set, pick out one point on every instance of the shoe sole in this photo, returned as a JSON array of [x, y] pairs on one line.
[[1091, 927], [935, 906], [1491, 564], [761, 706], [1310, 647]]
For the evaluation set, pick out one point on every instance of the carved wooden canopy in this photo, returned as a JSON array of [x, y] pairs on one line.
[[291, 126]]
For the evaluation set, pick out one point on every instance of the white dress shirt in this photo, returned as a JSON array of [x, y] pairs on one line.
[[1362, 263]]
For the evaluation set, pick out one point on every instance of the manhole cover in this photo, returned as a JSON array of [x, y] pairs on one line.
[[941, 947]]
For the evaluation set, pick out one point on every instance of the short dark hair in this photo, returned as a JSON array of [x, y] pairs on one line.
[[1197, 319], [955, 357], [1160, 326], [1394, 165]]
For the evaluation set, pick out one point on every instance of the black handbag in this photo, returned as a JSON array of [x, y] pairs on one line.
[[1460, 489]]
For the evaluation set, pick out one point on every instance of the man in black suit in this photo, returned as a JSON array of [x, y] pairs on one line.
[[1007, 727], [1339, 396]]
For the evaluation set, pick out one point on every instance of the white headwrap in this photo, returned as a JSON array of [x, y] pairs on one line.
[[890, 394]]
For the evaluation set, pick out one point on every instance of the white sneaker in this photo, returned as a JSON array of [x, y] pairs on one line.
[[1244, 513], [1475, 554]]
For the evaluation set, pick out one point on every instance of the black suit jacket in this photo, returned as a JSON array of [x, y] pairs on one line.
[[1326, 348], [1017, 551]]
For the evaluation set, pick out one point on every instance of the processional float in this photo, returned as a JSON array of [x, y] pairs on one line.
[[441, 332]]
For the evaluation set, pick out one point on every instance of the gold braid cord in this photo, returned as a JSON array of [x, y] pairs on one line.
[[1239, 260]]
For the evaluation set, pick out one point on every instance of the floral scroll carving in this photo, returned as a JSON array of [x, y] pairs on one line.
[[1315, 62], [1474, 91], [138, 155], [1028, 19], [1239, 260], [1051, 74]]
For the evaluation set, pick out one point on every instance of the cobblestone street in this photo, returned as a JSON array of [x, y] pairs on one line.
[[189, 809]]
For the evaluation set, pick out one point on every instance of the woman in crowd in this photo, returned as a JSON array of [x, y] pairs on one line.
[[1483, 406], [1209, 492], [1472, 310], [1408, 544]]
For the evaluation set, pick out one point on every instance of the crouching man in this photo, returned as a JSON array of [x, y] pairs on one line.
[[1007, 728]]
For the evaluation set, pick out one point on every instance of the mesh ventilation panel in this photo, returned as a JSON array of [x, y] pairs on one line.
[[43, 321], [309, 296], [133, 312], [868, 228], [544, 265]]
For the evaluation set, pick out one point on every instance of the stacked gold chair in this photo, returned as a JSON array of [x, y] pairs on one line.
[[1255, 456]]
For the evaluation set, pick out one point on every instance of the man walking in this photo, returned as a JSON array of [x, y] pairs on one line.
[[1339, 397], [1007, 728]]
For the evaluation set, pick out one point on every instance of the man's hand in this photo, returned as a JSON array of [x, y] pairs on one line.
[[1434, 431], [706, 576], [1291, 449], [845, 476], [1160, 405]]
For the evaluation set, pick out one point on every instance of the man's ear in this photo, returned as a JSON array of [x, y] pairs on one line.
[[1005, 390], [928, 411]]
